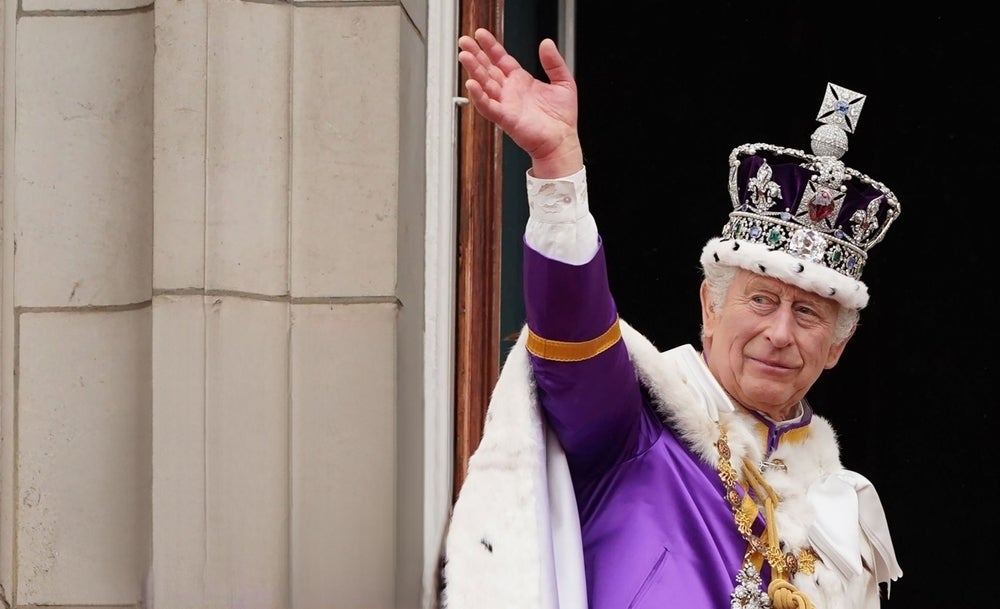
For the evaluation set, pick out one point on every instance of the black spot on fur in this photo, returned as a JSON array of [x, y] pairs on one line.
[[487, 545], [716, 256], [762, 268], [736, 245], [833, 291], [801, 268]]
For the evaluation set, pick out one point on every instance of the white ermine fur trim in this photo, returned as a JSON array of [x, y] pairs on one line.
[[758, 258], [493, 556]]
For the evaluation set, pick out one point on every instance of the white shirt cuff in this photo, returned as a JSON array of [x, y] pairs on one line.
[[560, 225]]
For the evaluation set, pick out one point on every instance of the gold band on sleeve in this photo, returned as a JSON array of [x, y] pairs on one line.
[[560, 351]]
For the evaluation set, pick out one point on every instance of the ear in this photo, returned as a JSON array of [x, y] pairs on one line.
[[838, 349], [709, 317]]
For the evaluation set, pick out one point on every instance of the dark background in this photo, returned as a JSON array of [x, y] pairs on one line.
[[666, 95]]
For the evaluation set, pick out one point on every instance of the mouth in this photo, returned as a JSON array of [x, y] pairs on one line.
[[773, 365]]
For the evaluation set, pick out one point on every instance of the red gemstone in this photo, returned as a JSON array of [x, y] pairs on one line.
[[820, 206]]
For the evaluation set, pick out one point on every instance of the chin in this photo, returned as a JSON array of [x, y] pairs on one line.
[[767, 400]]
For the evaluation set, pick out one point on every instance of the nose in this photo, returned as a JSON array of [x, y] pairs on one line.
[[779, 331]]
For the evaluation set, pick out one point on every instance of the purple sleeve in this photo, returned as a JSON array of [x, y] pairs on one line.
[[595, 405]]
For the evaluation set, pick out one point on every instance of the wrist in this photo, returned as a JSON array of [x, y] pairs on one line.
[[565, 160]]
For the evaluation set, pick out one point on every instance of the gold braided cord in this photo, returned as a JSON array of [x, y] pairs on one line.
[[762, 489], [756, 480], [782, 593]]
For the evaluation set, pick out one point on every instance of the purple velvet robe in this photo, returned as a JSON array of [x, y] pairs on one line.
[[657, 531]]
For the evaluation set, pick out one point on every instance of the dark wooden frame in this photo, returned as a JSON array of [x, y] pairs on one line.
[[480, 155]]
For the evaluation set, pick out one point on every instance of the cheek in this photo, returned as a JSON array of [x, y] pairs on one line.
[[737, 345], [739, 334], [817, 353]]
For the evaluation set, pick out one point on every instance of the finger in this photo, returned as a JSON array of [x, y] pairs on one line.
[[496, 52], [482, 74], [489, 70], [493, 89], [476, 94], [464, 41], [468, 61], [468, 44], [486, 106], [489, 87], [553, 63]]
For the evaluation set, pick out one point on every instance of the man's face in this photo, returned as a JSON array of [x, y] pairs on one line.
[[769, 342]]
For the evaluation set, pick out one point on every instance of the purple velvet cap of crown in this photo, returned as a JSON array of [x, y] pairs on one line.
[[806, 219]]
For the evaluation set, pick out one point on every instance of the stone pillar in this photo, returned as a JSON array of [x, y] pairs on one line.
[[75, 469], [220, 310], [275, 307]]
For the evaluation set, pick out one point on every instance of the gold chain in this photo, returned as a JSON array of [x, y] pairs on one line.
[[744, 514]]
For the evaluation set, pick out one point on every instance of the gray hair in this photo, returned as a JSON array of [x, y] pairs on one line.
[[718, 278]]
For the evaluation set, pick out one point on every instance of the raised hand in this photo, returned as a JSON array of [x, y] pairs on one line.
[[541, 117]]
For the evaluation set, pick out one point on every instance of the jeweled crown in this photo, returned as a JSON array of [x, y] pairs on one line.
[[811, 207]]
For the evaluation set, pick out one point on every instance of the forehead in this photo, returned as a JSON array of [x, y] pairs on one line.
[[748, 281]]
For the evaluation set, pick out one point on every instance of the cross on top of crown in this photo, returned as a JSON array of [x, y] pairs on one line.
[[841, 107]]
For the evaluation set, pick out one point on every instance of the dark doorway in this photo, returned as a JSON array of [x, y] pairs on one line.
[[664, 98]]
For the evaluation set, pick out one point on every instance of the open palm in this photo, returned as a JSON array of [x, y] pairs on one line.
[[539, 116]]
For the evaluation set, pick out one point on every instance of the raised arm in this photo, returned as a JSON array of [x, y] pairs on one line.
[[585, 381]]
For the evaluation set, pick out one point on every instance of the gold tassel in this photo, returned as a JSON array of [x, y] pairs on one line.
[[786, 596]]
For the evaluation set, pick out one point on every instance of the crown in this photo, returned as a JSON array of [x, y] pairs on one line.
[[807, 219]]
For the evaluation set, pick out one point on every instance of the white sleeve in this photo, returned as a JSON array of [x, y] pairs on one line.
[[560, 225]]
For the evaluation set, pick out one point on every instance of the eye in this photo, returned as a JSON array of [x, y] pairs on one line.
[[763, 301], [806, 310]]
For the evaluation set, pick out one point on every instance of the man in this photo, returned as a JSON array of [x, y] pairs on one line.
[[696, 479]]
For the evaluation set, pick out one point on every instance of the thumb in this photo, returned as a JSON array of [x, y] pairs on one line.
[[553, 63]]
